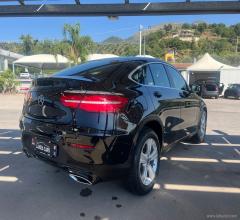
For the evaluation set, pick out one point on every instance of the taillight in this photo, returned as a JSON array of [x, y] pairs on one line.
[[94, 102], [82, 146]]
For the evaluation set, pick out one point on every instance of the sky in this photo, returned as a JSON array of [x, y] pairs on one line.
[[99, 28]]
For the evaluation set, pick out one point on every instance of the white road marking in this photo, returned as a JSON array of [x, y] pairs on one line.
[[230, 161], [4, 168], [8, 179], [5, 132], [5, 152], [189, 159], [227, 141], [204, 160], [163, 158], [212, 144], [17, 152], [225, 145], [215, 189], [156, 186], [5, 138], [201, 144]]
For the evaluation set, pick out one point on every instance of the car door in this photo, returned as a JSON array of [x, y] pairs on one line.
[[166, 102], [189, 102]]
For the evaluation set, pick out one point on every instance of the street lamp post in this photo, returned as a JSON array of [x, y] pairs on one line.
[[140, 39]]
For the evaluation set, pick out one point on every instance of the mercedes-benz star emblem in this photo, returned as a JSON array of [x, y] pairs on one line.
[[41, 100]]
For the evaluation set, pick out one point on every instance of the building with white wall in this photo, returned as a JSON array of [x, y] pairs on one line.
[[7, 58]]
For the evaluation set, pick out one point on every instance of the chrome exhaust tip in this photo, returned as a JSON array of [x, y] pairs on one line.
[[81, 179]]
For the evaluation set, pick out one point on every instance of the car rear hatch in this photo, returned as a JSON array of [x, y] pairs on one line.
[[43, 100], [212, 87]]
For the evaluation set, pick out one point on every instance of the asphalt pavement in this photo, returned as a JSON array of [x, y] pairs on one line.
[[195, 181]]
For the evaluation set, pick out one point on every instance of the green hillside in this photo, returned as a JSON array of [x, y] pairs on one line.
[[189, 41]]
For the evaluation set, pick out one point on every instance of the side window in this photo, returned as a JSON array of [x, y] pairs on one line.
[[143, 76], [159, 74], [179, 82]]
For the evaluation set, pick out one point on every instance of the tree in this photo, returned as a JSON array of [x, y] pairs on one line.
[[28, 44], [201, 27], [167, 27], [78, 46], [85, 45], [236, 28], [186, 26], [7, 82]]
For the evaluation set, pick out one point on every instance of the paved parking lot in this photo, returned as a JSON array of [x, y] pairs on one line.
[[195, 181]]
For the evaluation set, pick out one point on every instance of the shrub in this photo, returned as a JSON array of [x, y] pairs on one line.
[[8, 82]]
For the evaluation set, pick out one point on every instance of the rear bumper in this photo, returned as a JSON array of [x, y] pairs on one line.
[[109, 159], [210, 93]]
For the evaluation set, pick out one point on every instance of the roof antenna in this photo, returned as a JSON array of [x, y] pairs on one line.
[[43, 3]]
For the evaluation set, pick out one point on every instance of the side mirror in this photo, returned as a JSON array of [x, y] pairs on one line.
[[195, 88]]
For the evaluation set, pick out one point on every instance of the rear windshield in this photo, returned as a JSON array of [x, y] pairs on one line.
[[99, 69], [235, 86], [211, 87]]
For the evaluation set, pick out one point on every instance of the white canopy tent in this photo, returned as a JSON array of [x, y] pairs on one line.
[[207, 68], [43, 61], [207, 64], [97, 56]]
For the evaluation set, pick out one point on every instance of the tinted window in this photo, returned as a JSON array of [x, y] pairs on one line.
[[234, 86], [99, 69], [179, 82], [143, 76], [82, 67], [101, 72], [159, 75], [211, 87]]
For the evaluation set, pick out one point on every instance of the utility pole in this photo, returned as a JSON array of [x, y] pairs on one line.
[[140, 39], [144, 43]]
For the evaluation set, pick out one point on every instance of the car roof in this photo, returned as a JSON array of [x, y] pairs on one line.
[[132, 58], [106, 61]]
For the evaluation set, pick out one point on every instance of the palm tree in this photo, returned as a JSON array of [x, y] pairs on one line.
[[28, 44], [78, 46]]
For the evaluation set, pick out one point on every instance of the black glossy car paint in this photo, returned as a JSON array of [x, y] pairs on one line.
[[172, 113]]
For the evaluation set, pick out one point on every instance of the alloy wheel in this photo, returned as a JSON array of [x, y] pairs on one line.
[[203, 124], [148, 161]]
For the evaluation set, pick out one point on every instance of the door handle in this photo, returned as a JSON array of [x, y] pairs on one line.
[[157, 94]]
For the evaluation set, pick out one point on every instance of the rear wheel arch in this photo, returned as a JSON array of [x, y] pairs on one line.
[[157, 128], [153, 124]]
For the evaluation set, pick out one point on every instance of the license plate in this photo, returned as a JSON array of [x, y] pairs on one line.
[[46, 147]]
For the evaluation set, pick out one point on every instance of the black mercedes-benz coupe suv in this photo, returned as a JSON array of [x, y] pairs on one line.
[[110, 118]]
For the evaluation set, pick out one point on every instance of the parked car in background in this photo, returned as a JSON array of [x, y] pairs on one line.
[[111, 118], [23, 85], [208, 89], [233, 90], [25, 75]]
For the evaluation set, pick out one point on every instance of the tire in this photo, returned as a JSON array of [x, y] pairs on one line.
[[216, 97], [141, 163], [200, 135]]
